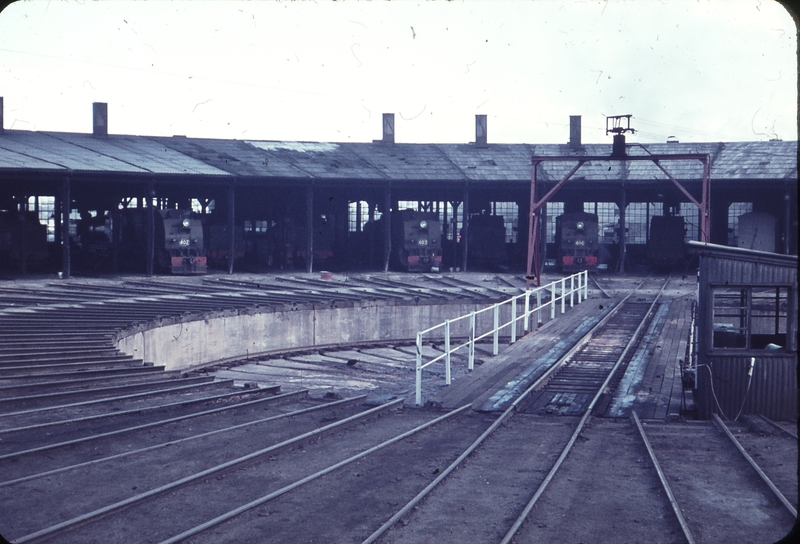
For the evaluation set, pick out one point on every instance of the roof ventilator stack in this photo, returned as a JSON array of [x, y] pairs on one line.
[[388, 128], [575, 132], [481, 138], [100, 119]]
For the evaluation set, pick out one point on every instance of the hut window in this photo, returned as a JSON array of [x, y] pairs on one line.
[[750, 318]]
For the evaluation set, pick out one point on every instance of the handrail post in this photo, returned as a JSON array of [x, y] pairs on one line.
[[526, 322], [585, 284], [495, 347], [553, 300], [447, 351], [563, 295], [471, 361], [538, 307], [580, 288], [419, 369], [572, 291], [513, 320]]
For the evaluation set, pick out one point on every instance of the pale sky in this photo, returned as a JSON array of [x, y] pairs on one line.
[[699, 70]]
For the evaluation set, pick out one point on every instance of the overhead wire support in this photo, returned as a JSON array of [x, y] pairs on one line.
[[619, 152]]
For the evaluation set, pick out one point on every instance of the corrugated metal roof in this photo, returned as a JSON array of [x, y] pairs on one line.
[[45, 152], [139, 154]]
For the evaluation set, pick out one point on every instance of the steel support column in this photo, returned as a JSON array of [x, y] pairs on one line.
[[465, 229], [150, 193], [532, 265], [310, 229], [231, 225], [66, 211], [387, 227], [623, 239]]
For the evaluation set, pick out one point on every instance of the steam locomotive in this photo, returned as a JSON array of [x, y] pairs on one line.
[[183, 243], [487, 241], [416, 241], [576, 240], [23, 239], [178, 241], [666, 247]]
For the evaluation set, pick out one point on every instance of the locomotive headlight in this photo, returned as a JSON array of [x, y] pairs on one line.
[[580, 225], [186, 223], [423, 224]]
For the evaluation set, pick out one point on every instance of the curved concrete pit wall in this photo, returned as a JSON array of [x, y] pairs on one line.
[[229, 335]]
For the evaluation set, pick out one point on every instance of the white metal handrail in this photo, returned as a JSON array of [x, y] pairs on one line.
[[578, 285]]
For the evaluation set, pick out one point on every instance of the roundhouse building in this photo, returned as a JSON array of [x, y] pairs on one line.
[[80, 199]]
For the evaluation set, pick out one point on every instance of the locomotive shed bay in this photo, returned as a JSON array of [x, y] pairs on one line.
[[101, 446]]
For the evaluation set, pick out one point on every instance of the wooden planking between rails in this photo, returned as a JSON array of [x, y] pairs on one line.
[[660, 393], [499, 371]]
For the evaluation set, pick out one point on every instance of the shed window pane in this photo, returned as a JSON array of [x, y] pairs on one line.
[[554, 209], [750, 317], [768, 308], [510, 213], [735, 210], [730, 318]]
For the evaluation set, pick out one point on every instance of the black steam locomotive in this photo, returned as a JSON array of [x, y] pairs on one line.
[[183, 242], [666, 247], [23, 239], [577, 244], [416, 241], [178, 241], [487, 241]]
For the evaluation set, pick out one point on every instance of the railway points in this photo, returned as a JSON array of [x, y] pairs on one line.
[[299, 460]]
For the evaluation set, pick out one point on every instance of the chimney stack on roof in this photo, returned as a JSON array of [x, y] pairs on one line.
[[481, 138], [575, 131], [100, 119], [388, 128]]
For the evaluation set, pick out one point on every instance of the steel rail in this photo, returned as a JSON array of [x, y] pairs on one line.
[[550, 475], [781, 497], [96, 514], [143, 426], [121, 397], [182, 440], [253, 504], [264, 390], [597, 284], [664, 484], [778, 427], [507, 414], [152, 385], [144, 372]]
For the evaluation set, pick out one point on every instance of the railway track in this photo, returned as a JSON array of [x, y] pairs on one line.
[[624, 496], [77, 415], [217, 463]]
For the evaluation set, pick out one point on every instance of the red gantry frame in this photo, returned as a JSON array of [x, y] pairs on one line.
[[534, 268]]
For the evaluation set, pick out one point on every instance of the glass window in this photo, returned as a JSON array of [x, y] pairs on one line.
[[554, 209], [357, 221], [510, 213], [607, 218], [735, 210], [750, 318]]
